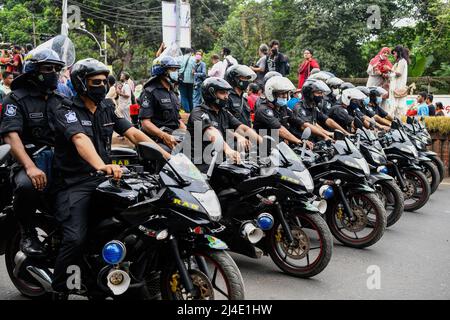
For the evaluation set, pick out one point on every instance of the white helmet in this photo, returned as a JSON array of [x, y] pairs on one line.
[[277, 84], [350, 94], [321, 76]]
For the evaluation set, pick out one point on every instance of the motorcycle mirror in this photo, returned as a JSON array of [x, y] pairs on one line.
[[410, 120], [148, 152], [339, 135], [306, 134], [395, 125], [358, 123]]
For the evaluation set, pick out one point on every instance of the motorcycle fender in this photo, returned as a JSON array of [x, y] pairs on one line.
[[377, 177], [361, 188], [210, 242], [423, 158]]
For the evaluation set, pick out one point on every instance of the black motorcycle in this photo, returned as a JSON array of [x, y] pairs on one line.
[[152, 236], [404, 164], [355, 215], [388, 191], [433, 169], [267, 210], [417, 128]]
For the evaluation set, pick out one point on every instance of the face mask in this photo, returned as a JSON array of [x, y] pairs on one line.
[[318, 99], [379, 100], [367, 101], [97, 94], [275, 51], [221, 103], [173, 76], [353, 106], [243, 85], [198, 57], [47, 82], [281, 102], [336, 92]]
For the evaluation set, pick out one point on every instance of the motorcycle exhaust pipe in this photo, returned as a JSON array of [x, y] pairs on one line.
[[252, 233], [42, 277]]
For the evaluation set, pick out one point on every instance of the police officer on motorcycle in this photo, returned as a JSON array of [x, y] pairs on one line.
[[273, 113], [240, 77], [84, 131], [27, 126], [213, 119], [160, 106], [310, 111]]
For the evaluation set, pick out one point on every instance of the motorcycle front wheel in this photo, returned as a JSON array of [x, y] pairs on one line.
[[432, 173], [217, 277], [417, 191], [392, 198], [368, 225]]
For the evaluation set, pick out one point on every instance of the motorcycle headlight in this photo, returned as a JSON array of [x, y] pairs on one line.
[[211, 203], [306, 179]]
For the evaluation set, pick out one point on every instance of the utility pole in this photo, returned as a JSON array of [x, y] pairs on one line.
[[64, 25], [178, 22], [105, 51]]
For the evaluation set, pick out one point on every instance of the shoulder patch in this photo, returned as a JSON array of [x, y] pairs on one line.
[[11, 110], [205, 116], [145, 103], [71, 117], [269, 112]]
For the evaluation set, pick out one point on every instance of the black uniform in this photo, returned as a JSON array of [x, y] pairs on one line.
[[374, 109], [202, 118], [74, 183], [309, 114], [26, 112], [239, 108], [160, 105], [340, 114], [274, 118]]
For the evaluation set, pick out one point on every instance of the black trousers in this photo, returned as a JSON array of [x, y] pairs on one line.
[[26, 199], [72, 212]]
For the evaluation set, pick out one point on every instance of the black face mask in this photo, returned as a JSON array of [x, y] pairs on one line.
[[243, 85], [275, 52], [318, 99], [97, 94], [47, 82], [221, 103]]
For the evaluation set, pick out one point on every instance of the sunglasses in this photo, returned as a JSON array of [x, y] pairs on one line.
[[50, 68], [98, 82]]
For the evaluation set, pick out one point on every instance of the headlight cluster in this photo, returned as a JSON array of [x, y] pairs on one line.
[[211, 203]]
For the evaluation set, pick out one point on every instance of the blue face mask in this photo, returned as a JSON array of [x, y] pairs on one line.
[[282, 102], [379, 100], [173, 76], [366, 101]]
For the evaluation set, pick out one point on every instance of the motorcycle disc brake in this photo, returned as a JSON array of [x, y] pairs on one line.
[[300, 248]]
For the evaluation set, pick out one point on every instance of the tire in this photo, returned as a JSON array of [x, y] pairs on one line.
[[307, 221], [424, 196], [377, 225], [224, 264], [25, 284], [392, 193], [440, 165], [432, 173]]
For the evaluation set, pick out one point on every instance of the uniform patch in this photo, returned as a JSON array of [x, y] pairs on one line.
[[71, 117], [145, 103], [269, 113], [86, 123], [11, 110], [215, 124], [205, 116], [304, 112], [38, 115], [166, 101]]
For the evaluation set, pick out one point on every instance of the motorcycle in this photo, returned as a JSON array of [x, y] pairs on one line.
[[389, 192], [355, 215], [434, 170], [404, 166], [153, 236], [267, 210]]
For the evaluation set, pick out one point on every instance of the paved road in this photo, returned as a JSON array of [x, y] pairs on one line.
[[413, 257]]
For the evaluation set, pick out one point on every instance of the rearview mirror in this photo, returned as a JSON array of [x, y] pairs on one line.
[[306, 134], [410, 120], [339, 135], [149, 152]]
